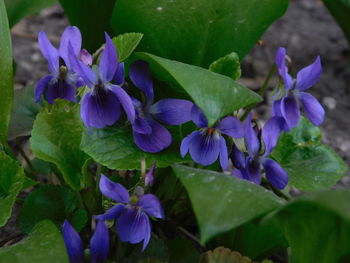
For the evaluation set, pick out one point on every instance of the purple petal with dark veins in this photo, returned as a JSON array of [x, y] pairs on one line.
[[253, 171], [70, 35], [140, 76], [205, 148], [290, 111], [198, 117], [49, 52], [141, 126], [185, 144], [73, 243], [308, 76], [232, 127], [84, 71], [113, 190], [172, 111], [100, 109], [313, 109], [133, 226], [158, 140], [41, 86], [275, 174], [151, 205], [99, 243], [60, 90], [109, 61]]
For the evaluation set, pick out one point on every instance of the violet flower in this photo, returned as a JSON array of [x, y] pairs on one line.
[[101, 105], [249, 167], [132, 213], [62, 80], [149, 134], [149, 178], [206, 144], [99, 243], [288, 106]]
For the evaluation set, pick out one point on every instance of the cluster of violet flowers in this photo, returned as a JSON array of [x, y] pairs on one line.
[[72, 67]]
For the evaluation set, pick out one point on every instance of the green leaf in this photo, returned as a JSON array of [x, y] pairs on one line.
[[18, 9], [317, 226], [126, 44], [215, 94], [52, 202], [340, 9], [182, 250], [79, 219], [56, 137], [115, 149], [11, 181], [197, 32], [92, 17], [6, 72], [27, 182], [223, 255], [44, 244], [24, 111], [228, 65], [222, 202], [309, 164]]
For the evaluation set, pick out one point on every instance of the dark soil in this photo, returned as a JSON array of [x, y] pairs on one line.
[[307, 30]]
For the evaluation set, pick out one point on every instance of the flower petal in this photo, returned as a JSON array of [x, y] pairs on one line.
[[140, 76], [237, 172], [119, 75], [158, 140], [70, 35], [223, 154], [232, 127], [275, 174], [149, 178], [60, 90], [271, 132], [172, 111], [99, 243], [198, 117], [253, 171], [125, 101], [41, 86], [308, 76], [150, 203], [252, 141], [185, 144], [100, 109], [109, 61], [113, 190], [111, 214], [313, 109], [204, 149], [84, 71], [282, 68], [49, 52], [290, 111], [237, 157], [73, 243], [85, 57], [141, 126], [133, 226]]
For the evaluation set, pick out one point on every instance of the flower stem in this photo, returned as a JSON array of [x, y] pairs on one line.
[[260, 92]]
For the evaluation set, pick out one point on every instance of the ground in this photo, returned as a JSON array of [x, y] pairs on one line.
[[307, 30]]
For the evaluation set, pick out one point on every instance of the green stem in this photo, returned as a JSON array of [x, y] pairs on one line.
[[260, 92], [276, 191]]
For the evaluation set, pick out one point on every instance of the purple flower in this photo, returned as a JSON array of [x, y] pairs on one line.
[[101, 105], [249, 167], [288, 106], [99, 243], [149, 134], [206, 144], [132, 213], [149, 178], [62, 80]]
